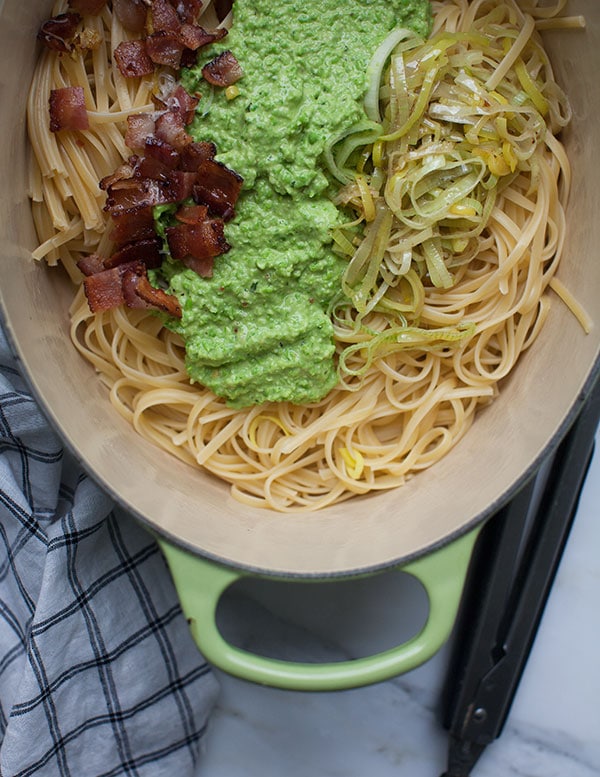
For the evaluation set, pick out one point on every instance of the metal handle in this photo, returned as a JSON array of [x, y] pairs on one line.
[[200, 584]]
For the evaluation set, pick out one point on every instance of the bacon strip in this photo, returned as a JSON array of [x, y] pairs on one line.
[[91, 264], [197, 245], [131, 13], [131, 226], [133, 59], [218, 187], [165, 48], [56, 33], [168, 167], [149, 294], [104, 290], [127, 284], [223, 70], [179, 101], [146, 251], [162, 16], [67, 109]]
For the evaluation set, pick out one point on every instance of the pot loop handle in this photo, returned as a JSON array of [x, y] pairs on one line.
[[200, 584]]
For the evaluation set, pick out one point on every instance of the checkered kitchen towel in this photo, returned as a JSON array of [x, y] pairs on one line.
[[98, 673]]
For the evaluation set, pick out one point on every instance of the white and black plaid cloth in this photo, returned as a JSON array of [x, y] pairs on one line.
[[98, 672]]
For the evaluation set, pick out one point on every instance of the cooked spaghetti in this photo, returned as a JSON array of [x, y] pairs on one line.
[[414, 370]]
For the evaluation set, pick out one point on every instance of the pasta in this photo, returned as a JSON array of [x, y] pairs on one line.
[[396, 410]]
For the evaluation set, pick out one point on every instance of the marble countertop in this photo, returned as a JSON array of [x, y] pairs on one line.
[[392, 729]]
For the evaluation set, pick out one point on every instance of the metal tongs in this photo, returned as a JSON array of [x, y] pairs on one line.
[[511, 574]]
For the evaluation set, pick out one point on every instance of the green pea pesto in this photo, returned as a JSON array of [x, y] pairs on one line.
[[259, 329]]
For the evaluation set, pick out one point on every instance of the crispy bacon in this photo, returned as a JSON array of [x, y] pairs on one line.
[[162, 152], [134, 193], [133, 59], [104, 290], [131, 226], [218, 187], [192, 155], [140, 127], [167, 167], [171, 128], [67, 109], [165, 48], [148, 294], [179, 101], [127, 284], [193, 37], [130, 194], [123, 172], [146, 251], [91, 264], [195, 244], [131, 13], [162, 16], [92, 7], [222, 70], [192, 214], [57, 33]]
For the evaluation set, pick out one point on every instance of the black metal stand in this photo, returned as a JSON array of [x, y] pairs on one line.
[[512, 571]]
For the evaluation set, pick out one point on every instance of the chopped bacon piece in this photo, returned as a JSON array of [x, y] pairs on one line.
[[67, 109], [123, 172], [92, 7], [146, 251], [202, 266], [140, 127], [179, 101], [132, 226], [57, 32], [130, 194], [171, 128], [162, 152], [133, 59], [223, 70], [165, 48], [152, 167], [200, 241], [104, 290], [218, 187], [91, 264], [195, 153], [193, 37], [131, 13], [163, 17], [138, 289], [127, 284], [192, 214]]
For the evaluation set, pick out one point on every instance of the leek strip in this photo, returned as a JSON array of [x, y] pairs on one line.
[[438, 272], [376, 67], [419, 108], [360, 134], [529, 86]]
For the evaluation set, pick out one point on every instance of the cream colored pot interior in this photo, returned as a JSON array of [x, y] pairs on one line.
[[194, 510]]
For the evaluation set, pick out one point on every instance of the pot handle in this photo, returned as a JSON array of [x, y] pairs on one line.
[[200, 584]]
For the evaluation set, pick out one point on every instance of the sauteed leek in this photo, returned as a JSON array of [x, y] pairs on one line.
[[453, 122]]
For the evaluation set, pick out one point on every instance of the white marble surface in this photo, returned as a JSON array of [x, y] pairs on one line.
[[392, 729]]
